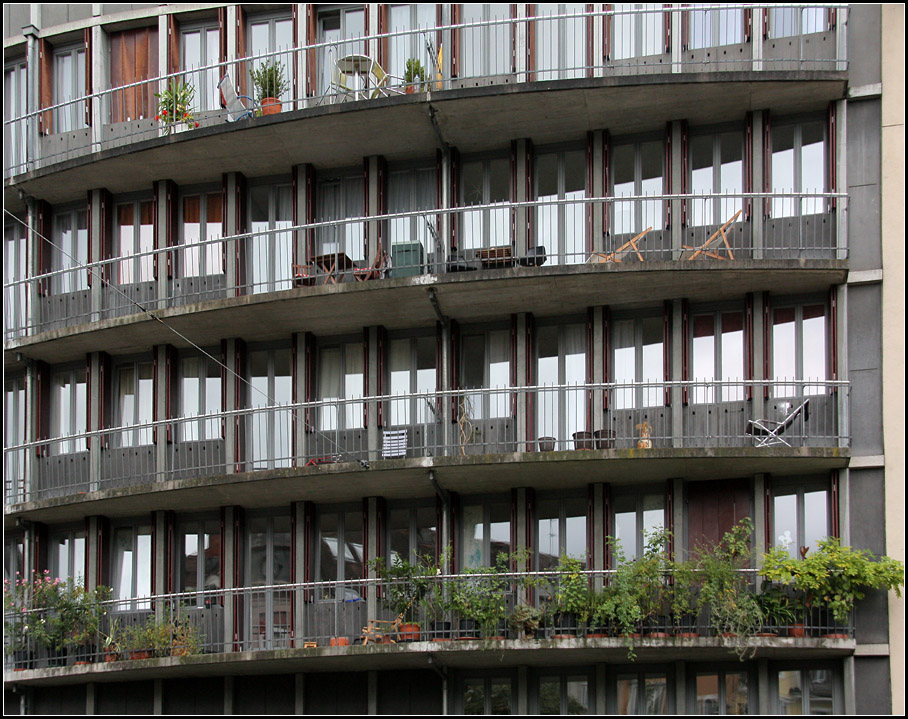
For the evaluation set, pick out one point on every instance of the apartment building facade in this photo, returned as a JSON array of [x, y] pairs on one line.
[[601, 269]]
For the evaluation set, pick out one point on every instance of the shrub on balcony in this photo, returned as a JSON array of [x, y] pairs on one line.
[[175, 106], [404, 586], [834, 576], [570, 599], [483, 600]]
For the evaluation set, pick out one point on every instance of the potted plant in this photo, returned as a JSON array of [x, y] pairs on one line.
[[437, 601], [175, 107], [725, 590], [481, 600], [833, 577], [525, 621], [270, 84], [683, 600], [569, 603], [136, 640], [777, 608], [404, 584], [414, 76]]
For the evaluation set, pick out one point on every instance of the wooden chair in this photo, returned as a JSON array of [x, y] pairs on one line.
[[377, 270], [622, 252], [704, 249]]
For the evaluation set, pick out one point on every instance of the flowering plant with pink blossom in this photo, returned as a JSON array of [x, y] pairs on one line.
[[52, 612]]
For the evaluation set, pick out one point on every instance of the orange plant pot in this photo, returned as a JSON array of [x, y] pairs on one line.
[[271, 106], [339, 642], [409, 632]]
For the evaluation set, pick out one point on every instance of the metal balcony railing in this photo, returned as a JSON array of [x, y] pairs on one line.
[[339, 613], [464, 422], [560, 232], [619, 40]]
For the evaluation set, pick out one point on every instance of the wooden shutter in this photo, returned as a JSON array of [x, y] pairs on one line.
[[833, 334], [310, 211], [767, 163], [749, 343], [309, 379], [589, 24], [382, 340], [606, 178], [311, 39], [589, 209], [667, 27], [685, 350], [834, 529], [239, 366], [455, 192], [831, 182], [45, 85], [714, 507], [667, 175], [173, 44], [454, 364], [455, 41], [531, 42], [105, 241], [384, 26], [512, 364], [88, 387], [606, 352], [748, 163], [685, 176], [590, 334], [365, 375], [241, 50], [530, 379], [105, 396], [239, 244], [767, 337], [607, 34]]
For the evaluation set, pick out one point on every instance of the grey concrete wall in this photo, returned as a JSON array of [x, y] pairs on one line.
[[864, 358], [871, 681], [868, 531], [863, 170], [864, 27], [52, 15], [15, 15]]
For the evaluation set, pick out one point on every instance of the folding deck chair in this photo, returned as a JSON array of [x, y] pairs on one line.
[[768, 433], [705, 250], [233, 103], [622, 252]]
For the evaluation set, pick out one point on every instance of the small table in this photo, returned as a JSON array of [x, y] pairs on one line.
[[362, 69], [332, 265], [496, 257]]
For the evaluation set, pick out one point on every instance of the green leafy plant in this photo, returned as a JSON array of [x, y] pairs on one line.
[[833, 575], [682, 593], [175, 106], [483, 598], [726, 591], [571, 594], [777, 606], [415, 74], [525, 620], [404, 585], [269, 81]]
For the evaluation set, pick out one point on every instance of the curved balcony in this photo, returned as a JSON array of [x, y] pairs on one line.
[[341, 624], [549, 51], [517, 434], [309, 269]]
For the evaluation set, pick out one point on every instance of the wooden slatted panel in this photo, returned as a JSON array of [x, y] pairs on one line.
[[86, 39], [714, 507], [667, 349], [45, 85]]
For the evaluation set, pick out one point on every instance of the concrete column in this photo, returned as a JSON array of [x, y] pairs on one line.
[[100, 79], [231, 229], [841, 173], [520, 32], [601, 706], [89, 699], [764, 704], [849, 688], [372, 208], [759, 514], [598, 189], [843, 402], [302, 211], [160, 401], [229, 563], [679, 529], [228, 693], [444, 229], [676, 392], [95, 441], [159, 522], [229, 425], [300, 61], [522, 363], [32, 101], [757, 205], [162, 282], [448, 427], [677, 229], [845, 506], [372, 538], [33, 316], [522, 691], [597, 351], [680, 688], [299, 416], [372, 692], [373, 432], [158, 698], [757, 405], [299, 694], [598, 558], [520, 234], [301, 542], [372, 9]]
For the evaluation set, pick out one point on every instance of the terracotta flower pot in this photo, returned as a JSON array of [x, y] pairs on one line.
[[271, 106], [339, 642], [410, 89], [796, 630], [409, 632], [688, 635]]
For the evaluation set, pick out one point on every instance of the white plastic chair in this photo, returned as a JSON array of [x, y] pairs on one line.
[[233, 103]]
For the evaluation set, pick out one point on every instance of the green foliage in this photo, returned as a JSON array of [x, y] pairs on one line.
[[175, 106], [726, 591], [525, 620], [777, 607], [269, 81], [54, 613], [483, 599], [170, 636], [682, 594], [405, 585], [415, 74], [571, 593], [834, 576]]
